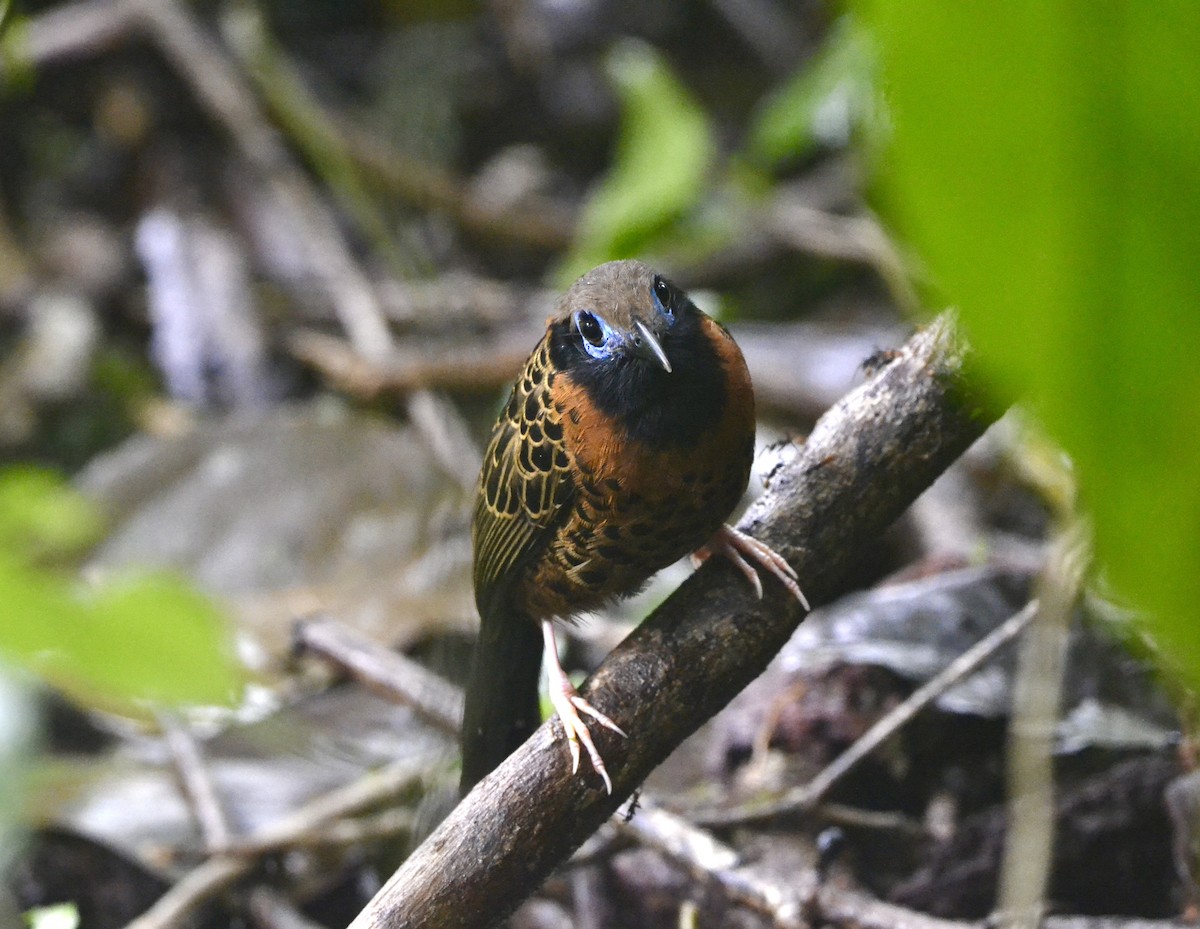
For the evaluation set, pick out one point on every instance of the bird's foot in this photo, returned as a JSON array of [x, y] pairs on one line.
[[737, 546], [568, 705]]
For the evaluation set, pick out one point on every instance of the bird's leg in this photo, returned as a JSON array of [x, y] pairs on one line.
[[737, 546], [568, 705]]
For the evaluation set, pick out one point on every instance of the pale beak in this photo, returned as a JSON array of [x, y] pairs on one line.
[[646, 345]]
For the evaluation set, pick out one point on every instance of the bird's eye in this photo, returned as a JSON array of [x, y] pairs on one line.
[[590, 329], [663, 296]]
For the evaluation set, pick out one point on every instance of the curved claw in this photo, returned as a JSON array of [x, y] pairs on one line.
[[568, 705], [737, 546]]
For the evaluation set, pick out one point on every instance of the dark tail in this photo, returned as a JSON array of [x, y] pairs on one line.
[[502, 694]]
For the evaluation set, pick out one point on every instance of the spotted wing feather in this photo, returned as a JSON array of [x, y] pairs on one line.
[[524, 485]]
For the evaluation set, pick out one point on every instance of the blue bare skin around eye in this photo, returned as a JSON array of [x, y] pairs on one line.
[[611, 340]]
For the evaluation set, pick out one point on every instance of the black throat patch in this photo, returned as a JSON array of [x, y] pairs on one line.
[[655, 407]]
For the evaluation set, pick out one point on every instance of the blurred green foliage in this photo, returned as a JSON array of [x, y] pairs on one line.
[[820, 105], [669, 196], [1043, 159], [39, 518], [112, 644], [664, 153], [17, 73]]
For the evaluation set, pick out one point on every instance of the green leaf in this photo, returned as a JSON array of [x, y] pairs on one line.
[[180, 651], [1043, 161], [150, 637], [40, 515], [664, 152], [130, 639], [821, 104]]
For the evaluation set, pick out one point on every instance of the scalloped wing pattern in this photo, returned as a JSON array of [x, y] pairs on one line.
[[525, 482]]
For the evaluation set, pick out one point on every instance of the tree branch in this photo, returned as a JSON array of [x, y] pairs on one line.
[[867, 459]]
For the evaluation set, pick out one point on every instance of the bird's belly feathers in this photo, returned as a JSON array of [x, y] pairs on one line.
[[636, 511]]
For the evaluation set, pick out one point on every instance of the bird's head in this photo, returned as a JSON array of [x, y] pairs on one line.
[[641, 351], [620, 314]]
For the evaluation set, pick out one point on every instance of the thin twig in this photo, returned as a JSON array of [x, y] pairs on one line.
[[469, 367], [446, 435], [195, 780], [844, 238], [805, 898], [806, 796], [1037, 698], [343, 832], [539, 223], [384, 671], [193, 889], [270, 909], [218, 873], [711, 861], [70, 31]]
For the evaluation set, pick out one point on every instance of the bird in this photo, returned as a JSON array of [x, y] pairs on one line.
[[625, 443]]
